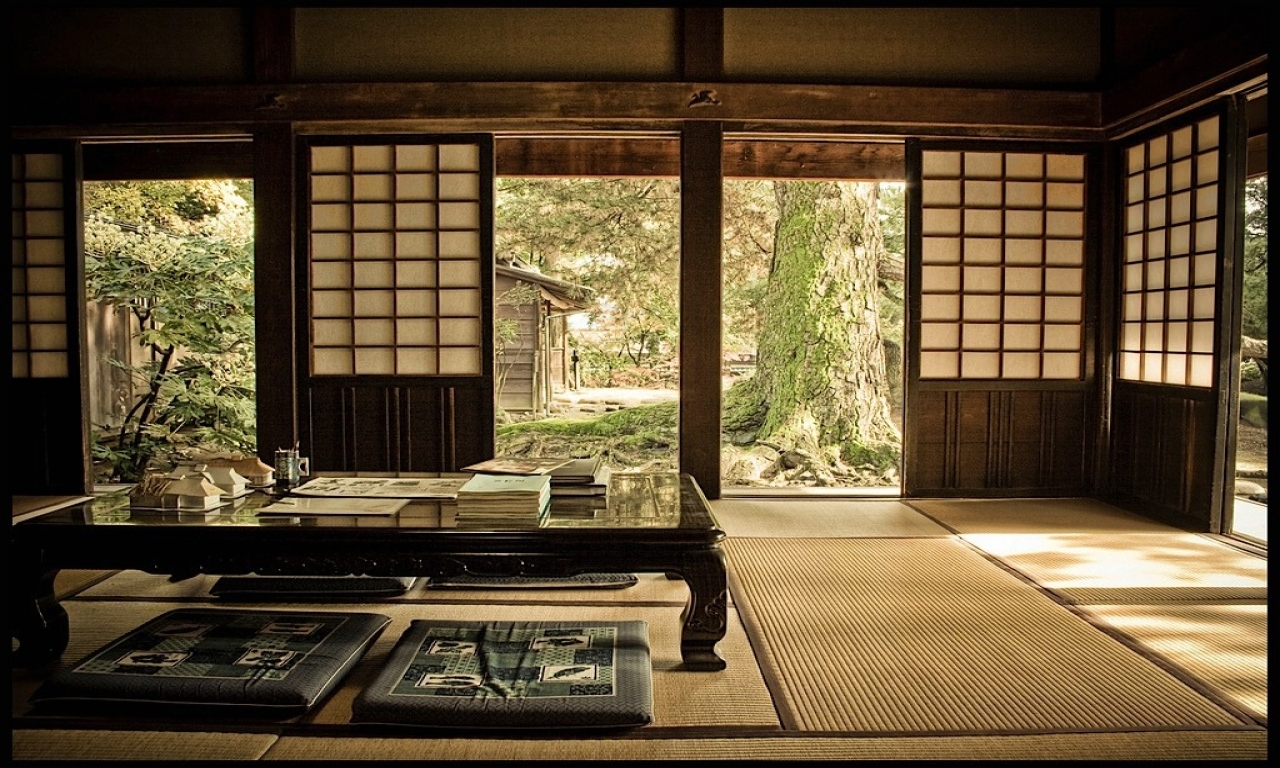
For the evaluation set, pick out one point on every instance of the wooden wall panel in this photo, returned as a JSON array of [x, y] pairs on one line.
[[1162, 454], [51, 456], [396, 429], [976, 442]]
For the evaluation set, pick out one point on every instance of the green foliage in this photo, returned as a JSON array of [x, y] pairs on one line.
[[1254, 300], [656, 419], [1253, 409], [619, 237], [743, 408], [881, 458], [750, 218], [1249, 371], [179, 257]]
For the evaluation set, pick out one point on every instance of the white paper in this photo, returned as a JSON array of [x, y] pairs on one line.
[[316, 505]]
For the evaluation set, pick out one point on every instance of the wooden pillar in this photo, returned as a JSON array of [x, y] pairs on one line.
[[701, 196], [274, 185], [275, 312]]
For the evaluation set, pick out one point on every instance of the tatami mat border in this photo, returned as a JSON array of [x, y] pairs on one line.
[[72, 744]]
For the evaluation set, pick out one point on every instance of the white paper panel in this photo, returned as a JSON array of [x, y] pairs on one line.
[[49, 365], [412, 361], [460, 362], [375, 361], [1020, 365]]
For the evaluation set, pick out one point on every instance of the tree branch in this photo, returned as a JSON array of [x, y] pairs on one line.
[[1253, 348]]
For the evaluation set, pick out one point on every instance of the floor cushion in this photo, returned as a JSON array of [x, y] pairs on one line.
[[257, 588], [474, 674], [578, 581], [276, 662]]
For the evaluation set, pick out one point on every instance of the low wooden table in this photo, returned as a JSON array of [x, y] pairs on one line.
[[651, 523]]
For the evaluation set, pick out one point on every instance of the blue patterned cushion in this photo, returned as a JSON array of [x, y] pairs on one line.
[[312, 588], [280, 662], [461, 674]]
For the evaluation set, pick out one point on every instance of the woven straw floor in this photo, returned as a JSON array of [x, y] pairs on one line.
[[1008, 630]]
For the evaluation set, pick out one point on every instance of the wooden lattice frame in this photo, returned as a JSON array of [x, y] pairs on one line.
[[39, 267], [395, 257], [1168, 292], [1002, 276]]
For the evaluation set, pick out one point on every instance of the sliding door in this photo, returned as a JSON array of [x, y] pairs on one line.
[[1000, 376], [47, 388], [396, 297], [1177, 352]]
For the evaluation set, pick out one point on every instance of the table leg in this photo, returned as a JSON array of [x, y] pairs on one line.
[[40, 624], [705, 616]]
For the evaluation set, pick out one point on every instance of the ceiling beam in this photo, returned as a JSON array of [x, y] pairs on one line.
[[1231, 60], [660, 157], [548, 157], [496, 107]]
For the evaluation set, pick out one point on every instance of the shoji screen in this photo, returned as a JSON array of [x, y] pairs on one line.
[[396, 256], [47, 401], [396, 370], [1001, 379], [1171, 219], [1180, 209], [40, 267], [1002, 278]]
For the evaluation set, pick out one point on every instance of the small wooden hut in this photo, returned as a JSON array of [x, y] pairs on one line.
[[533, 357]]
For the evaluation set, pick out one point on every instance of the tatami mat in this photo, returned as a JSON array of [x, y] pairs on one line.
[[147, 745], [1194, 745], [1188, 598], [1035, 516], [1224, 646], [72, 581], [829, 518], [926, 635], [1156, 567], [67, 744], [1011, 629]]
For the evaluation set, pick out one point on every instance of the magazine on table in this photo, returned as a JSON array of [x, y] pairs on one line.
[[383, 487], [333, 505]]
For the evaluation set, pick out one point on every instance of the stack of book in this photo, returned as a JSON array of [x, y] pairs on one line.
[[517, 465], [581, 477], [498, 502]]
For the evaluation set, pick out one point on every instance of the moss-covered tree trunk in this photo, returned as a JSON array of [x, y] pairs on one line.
[[821, 367]]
